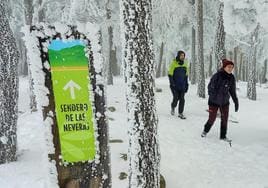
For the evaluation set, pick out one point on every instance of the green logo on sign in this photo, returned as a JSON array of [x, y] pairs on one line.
[[70, 77]]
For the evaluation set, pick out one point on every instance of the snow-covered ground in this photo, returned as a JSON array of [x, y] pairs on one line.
[[187, 160], [31, 169]]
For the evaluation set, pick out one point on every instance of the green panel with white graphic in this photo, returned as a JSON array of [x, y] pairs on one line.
[[70, 78]]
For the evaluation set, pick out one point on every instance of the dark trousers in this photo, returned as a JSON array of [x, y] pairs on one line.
[[212, 117], [178, 96]]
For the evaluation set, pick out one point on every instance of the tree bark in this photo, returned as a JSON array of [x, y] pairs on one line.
[[140, 75], [210, 72], [220, 52], [236, 63], [200, 54], [264, 72], [251, 89], [241, 65], [160, 63], [110, 33], [164, 69], [193, 62], [9, 58]]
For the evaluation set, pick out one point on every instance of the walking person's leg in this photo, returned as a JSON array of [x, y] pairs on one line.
[[211, 119], [181, 102], [174, 100], [224, 121]]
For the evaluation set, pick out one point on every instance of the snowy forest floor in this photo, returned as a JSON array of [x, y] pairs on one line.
[[187, 160]]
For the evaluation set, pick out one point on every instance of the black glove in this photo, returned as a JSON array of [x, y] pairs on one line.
[[236, 106]]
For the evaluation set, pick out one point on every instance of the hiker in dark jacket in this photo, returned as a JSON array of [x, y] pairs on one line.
[[221, 86], [178, 79]]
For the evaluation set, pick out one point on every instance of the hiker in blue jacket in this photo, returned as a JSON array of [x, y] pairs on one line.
[[178, 79], [221, 86]]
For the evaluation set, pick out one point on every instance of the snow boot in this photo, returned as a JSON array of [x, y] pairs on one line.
[[172, 112], [181, 116], [226, 139], [204, 134]]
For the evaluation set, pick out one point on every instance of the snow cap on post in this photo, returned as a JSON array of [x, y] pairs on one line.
[[226, 62]]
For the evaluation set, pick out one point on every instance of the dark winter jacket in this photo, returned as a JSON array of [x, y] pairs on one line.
[[178, 75], [220, 87]]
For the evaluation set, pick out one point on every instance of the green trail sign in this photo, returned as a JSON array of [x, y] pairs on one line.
[[70, 78]]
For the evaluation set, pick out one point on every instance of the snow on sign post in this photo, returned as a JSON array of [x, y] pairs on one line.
[[69, 68], [67, 74]]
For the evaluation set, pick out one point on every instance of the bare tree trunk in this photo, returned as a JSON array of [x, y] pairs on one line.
[[241, 65], [115, 67], [110, 34], [236, 63], [193, 62], [110, 74], [9, 57], [220, 51], [230, 54], [23, 67], [193, 49], [264, 72], [24, 60], [259, 76], [164, 69], [210, 63], [200, 54], [251, 89], [41, 12], [246, 69], [29, 11], [159, 67], [140, 74], [33, 102]]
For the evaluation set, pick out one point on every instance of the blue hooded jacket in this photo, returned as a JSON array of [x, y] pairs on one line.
[[178, 75]]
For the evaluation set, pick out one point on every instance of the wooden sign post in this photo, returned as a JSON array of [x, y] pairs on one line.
[[76, 106]]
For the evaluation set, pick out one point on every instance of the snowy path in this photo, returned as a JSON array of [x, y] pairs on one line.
[[30, 171], [187, 160]]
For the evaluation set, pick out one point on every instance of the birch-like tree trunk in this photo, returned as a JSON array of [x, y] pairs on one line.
[[201, 90], [140, 76], [251, 89], [9, 58]]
